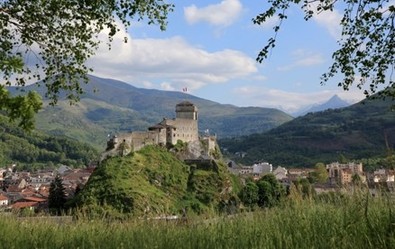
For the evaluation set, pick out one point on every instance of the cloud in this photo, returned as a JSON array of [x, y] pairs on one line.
[[303, 58], [221, 14], [172, 61], [330, 20], [286, 100]]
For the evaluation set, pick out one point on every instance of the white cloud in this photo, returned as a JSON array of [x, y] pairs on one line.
[[303, 58], [330, 20], [221, 14], [172, 61], [167, 86]]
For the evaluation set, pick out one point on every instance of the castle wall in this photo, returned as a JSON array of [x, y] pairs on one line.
[[184, 127], [185, 130], [139, 139]]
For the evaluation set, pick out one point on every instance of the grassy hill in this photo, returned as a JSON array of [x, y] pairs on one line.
[[112, 106], [38, 149], [153, 182], [363, 130]]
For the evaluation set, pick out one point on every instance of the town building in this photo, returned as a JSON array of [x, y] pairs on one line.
[[280, 173], [343, 173], [262, 168]]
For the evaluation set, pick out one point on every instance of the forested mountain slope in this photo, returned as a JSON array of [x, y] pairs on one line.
[[363, 130], [36, 149]]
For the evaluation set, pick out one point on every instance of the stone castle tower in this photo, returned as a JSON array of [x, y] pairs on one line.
[[186, 110], [184, 128]]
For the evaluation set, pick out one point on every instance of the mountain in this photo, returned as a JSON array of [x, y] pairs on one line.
[[110, 106], [36, 149], [333, 103], [363, 130]]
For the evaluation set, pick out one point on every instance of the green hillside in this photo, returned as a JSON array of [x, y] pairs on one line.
[[363, 130], [89, 121], [153, 182], [109, 106], [36, 149]]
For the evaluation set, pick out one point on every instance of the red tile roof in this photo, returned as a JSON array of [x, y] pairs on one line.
[[18, 205], [3, 198], [34, 199]]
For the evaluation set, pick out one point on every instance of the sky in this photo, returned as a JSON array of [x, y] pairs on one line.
[[210, 48]]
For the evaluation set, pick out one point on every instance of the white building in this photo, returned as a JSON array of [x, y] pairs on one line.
[[280, 173], [262, 168]]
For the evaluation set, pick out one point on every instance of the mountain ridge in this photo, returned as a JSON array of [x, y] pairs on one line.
[[334, 102], [107, 105], [363, 130]]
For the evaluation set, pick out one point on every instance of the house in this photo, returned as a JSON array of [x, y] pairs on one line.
[[384, 175], [262, 168], [24, 205], [31, 203], [63, 169], [345, 176], [296, 174], [280, 173], [342, 173], [2, 173], [3, 200], [245, 170]]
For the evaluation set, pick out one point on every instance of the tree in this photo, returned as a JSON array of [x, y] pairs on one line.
[[249, 194], [270, 191], [367, 43], [320, 174], [49, 41], [57, 196], [356, 179]]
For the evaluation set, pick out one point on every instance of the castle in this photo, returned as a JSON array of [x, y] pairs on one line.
[[183, 128]]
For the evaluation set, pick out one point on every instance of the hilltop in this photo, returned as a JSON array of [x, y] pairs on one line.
[[154, 182], [363, 130]]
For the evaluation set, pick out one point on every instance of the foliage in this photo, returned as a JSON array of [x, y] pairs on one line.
[[367, 53], [345, 222], [22, 108], [55, 38], [363, 130], [57, 196], [270, 191], [320, 174], [152, 182], [180, 146], [371, 164], [266, 192], [249, 194], [305, 188], [31, 149]]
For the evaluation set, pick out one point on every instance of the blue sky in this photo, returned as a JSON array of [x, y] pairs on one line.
[[210, 47]]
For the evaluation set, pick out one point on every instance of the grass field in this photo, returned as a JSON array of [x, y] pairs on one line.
[[339, 222]]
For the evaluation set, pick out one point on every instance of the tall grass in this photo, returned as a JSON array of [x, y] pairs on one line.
[[359, 221]]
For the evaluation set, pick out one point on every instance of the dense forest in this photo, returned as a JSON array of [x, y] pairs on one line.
[[35, 149], [364, 130]]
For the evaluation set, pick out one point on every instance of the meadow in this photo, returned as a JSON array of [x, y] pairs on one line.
[[336, 221]]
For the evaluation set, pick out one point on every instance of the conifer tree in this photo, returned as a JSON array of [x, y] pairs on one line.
[[57, 196]]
